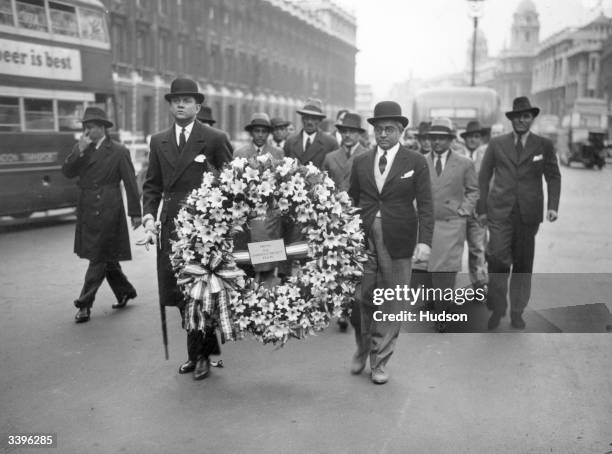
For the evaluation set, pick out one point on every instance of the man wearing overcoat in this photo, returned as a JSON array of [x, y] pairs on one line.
[[512, 205], [178, 159]]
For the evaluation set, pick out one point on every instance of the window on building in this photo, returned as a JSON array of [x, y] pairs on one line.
[[6, 13], [69, 114], [593, 65], [63, 19], [211, 13], [120, 49], [180, 55], [163, 6], [163, 57], [179, 10], [93, 25], [31, 14], [9, 114], [38, 114]]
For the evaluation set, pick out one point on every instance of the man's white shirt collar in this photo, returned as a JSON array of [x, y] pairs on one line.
[[443, 157], [523, 138], [178, 129], [305, 138]]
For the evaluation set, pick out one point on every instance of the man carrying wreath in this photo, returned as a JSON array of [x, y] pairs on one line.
[[179, 157]]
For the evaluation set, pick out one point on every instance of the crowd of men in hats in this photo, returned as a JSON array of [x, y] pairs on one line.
[[418, 204]]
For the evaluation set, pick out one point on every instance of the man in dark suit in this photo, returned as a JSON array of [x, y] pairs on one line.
[[102, 234], [512, 206], [310, 144], [385, 183], [179, 157]]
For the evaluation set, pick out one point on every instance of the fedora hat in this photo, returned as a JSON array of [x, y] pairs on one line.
[[474, 127], [96, 114], [423, 128], [259, 119], [520, 105], [278, 122], [441, 126], [184, 87], [388, 110], [351, 120], [313, 107], [205, 115]]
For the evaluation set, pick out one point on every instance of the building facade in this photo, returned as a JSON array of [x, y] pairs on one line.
[[510, 73], [246, 56], [605, 78], [567, 66]]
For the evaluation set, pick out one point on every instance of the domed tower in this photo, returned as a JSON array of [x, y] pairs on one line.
[[482, 47], [525, 27]]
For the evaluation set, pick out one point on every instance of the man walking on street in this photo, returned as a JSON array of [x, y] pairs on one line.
[[385, 183], [512, 206], [178, 159], [101, 230]]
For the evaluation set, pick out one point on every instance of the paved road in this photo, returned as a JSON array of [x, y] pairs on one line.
[[104, 386]]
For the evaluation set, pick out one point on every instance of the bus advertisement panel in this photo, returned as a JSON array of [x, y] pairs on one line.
[[55, 60]]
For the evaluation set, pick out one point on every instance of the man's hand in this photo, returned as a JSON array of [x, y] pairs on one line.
[[84, 142], [482, 220], [150, 234], [552, 215], [136, 222], [422, 253]]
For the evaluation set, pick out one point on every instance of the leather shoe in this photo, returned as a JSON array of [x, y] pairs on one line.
[[517, 320], [357, 365], [494, 320], [202, 368], [122, 301], [82, 315], [187, 366], [380, 375]]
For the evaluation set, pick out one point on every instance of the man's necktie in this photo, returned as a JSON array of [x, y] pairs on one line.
[[382, 162], [519, 146], [182, 140], [439, 165], [307, 145]]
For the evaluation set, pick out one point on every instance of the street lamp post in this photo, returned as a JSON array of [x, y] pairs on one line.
[[475, 11]]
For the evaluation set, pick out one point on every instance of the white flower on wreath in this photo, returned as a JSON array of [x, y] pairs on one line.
[[239, 163]]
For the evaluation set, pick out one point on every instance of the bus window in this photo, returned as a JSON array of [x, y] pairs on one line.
[[93, 25], [6, 13], [9, 114], [31, 14], [63, 19], [38, 114], [69, 114]]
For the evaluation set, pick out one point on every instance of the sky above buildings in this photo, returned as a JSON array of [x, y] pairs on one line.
[[424, 38]]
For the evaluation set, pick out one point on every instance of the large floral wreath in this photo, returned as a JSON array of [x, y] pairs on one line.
[[217, 289]]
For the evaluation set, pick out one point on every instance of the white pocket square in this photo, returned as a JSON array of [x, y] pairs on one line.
[[200, 158], [408, 174], [538, 158]]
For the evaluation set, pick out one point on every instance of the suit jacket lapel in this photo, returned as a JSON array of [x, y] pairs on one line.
[[529, 149], [193, 147], [99, 154], [169, 149], [314, 148], [396, 167], [510, 148], [370, 170]]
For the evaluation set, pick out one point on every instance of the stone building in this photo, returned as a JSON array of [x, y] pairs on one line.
[[246, 55]]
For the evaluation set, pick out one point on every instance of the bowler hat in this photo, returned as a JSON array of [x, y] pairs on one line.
[[278, 122], [520, 105], [441, 126], [423, 128], [313, 107], [388, 110], [184, 87], [205, 115], [474, 127], [96, 114], [351, 120], [259, 119]]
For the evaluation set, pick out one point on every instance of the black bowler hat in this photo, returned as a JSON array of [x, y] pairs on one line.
[[205, 115], [278, 122], [96, 114], [520, 105], [351, 120], [184, 87], [259, 119], [474, 127], [388, 110]]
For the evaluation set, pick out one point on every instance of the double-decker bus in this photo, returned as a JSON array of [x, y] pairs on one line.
[[55, 61], [460, 104]]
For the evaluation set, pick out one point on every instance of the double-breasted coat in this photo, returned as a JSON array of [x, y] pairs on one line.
[[455, 193], [102, 233], [171, 176], [338, 165], [321, 146]]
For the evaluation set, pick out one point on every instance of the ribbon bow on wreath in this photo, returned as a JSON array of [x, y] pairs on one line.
[[209, 289]]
